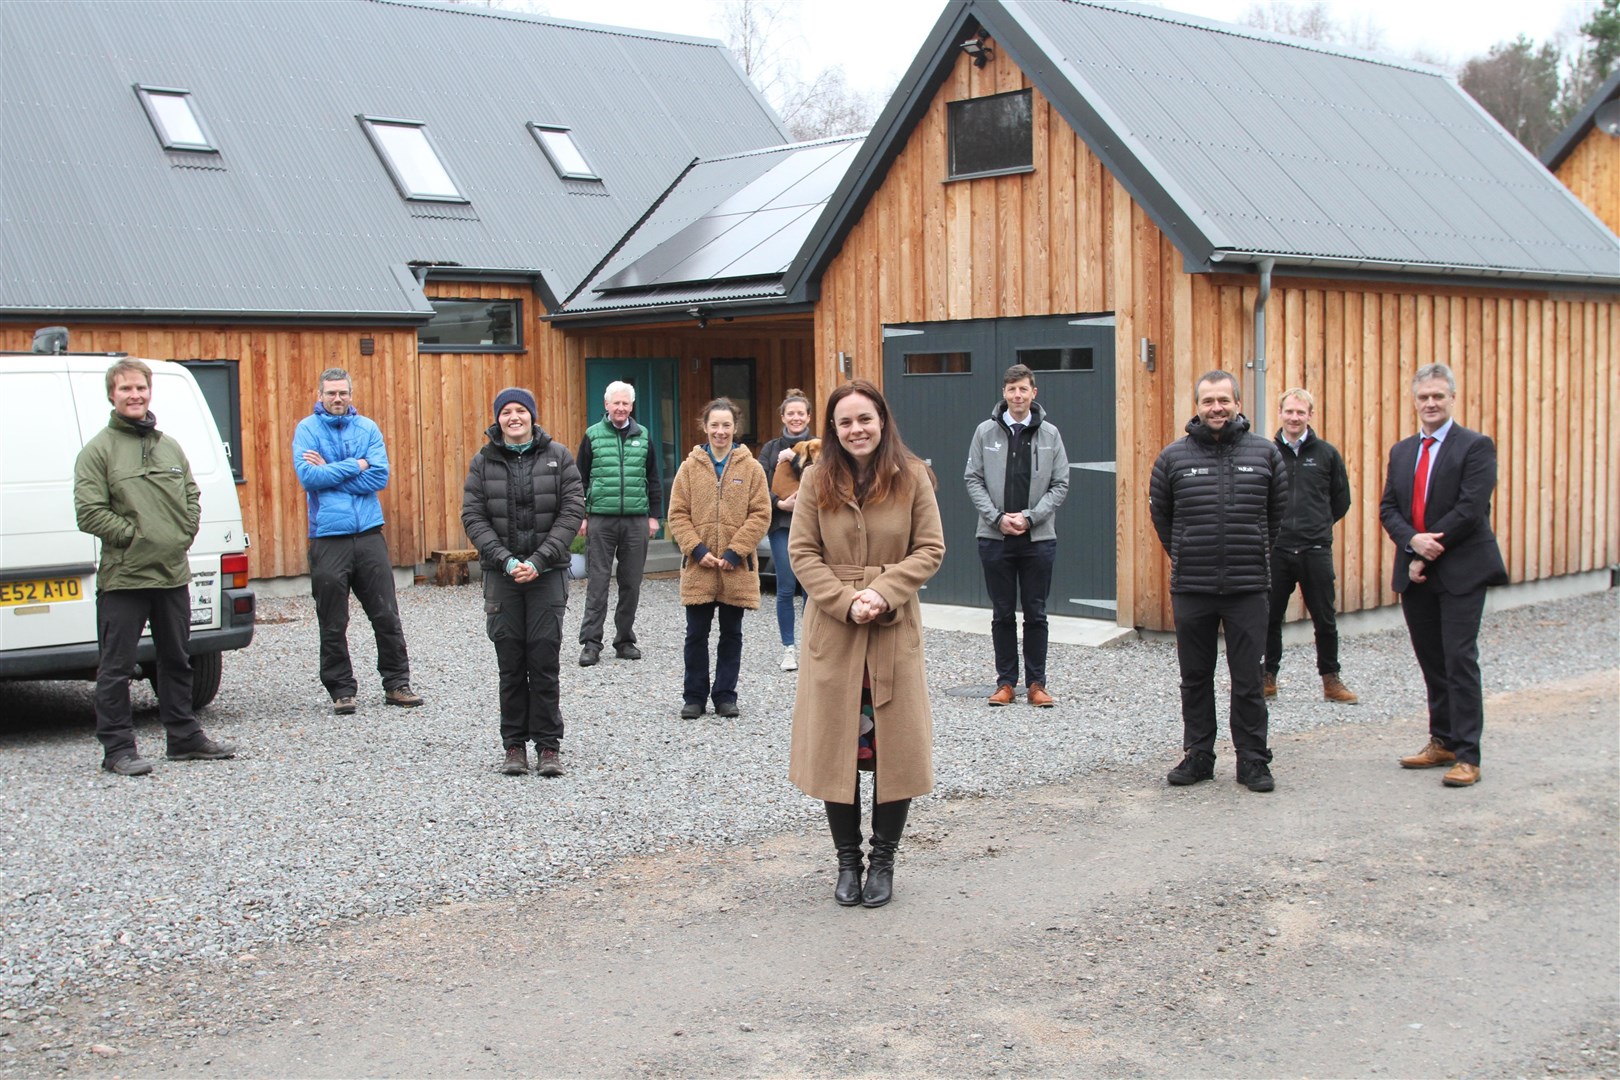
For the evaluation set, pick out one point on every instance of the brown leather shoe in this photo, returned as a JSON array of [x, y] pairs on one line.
[[1271, 684], [1461, 774], [1429, 757], [1333, 689], [1002, 696], [1039, 698]]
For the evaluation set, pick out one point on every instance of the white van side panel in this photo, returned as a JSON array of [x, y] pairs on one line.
[[39, 443]]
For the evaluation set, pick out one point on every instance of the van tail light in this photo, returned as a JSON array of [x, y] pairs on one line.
[[234, 569]]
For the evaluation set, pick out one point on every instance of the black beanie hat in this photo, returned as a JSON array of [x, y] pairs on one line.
[[511, 394]]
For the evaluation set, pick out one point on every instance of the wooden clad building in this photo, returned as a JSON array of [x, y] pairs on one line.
[[1145, 201], [1586, 154]]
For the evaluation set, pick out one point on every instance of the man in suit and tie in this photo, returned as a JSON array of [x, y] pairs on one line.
[[1437, 509]]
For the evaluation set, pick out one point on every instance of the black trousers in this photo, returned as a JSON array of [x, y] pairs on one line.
[[1312, 570], [525, 622], [728, 656], [1017, 567], [1200, 619], [1444, 629], [613, 535], [120, 616], [359, 563]]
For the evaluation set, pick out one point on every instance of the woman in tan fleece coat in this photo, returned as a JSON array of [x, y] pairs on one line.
[[866, 537], [719, 509]]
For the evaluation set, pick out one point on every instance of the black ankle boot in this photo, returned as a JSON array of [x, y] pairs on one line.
[[888, 822], [844, 821]]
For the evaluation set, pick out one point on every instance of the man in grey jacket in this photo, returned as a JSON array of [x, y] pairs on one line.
[[1017, 476]]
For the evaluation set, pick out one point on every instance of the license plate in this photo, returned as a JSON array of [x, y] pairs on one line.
[[42, 591]]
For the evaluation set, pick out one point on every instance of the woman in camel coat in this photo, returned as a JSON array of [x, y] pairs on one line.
[[719, 509], [866, 537]]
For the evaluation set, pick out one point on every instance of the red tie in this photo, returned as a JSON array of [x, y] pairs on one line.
[[1420, 484]]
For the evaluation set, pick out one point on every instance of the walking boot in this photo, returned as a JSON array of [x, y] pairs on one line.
[[1269, 687], [1197, 765], [844, 822], [888, 822], [1333, 689]]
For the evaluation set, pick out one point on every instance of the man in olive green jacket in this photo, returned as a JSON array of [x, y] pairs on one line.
[[133, 490]]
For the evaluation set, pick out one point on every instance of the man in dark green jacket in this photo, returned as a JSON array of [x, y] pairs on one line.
[[619, 465], [133, 490]]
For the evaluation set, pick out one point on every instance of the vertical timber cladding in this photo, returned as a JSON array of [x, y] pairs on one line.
[[943, 379]]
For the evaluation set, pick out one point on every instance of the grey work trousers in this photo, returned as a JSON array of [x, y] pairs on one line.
[[609, 535]]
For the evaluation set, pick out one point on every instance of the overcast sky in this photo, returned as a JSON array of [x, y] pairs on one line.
[[875, 40]]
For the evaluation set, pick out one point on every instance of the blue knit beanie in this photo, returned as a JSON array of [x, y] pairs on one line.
[[511, 394]]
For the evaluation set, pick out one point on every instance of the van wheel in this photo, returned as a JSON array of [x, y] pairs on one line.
[[205, 675]]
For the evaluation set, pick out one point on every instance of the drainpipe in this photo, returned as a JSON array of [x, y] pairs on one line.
[[1259, 421]]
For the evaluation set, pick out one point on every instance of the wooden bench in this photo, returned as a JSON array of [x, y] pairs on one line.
[[450, 567]]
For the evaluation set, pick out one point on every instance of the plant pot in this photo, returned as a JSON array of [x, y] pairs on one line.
[[576, 566]]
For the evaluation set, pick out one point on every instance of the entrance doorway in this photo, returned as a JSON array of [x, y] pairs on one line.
[[943, 378]]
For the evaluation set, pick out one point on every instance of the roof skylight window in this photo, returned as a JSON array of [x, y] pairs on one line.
[[174, 118], [412, 161], [562, 152]]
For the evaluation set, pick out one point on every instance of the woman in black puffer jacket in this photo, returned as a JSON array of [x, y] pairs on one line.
[[521, 506]]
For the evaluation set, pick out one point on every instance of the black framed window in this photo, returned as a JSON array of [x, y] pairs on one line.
[[939, 363], [220, 383], [991, 136], [1069, 359], [175, 118], [733, 378], [460, 325]]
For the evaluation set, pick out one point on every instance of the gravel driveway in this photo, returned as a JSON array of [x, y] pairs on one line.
[[105, 878]]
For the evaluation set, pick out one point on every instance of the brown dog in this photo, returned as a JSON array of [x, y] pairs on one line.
[[785, 478]]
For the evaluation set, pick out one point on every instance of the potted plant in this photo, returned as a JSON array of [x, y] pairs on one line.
[[576, 558]]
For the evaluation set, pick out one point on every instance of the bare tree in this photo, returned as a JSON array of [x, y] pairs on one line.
[[1314, 21], [764, 36]]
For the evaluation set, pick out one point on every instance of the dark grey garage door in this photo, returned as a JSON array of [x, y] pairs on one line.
[[943, 378]]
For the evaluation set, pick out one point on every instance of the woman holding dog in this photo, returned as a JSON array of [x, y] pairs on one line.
[[865, 538], [784, 462], [719, 509]]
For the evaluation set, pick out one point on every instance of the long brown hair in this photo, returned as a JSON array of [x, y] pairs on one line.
[[836, 478]]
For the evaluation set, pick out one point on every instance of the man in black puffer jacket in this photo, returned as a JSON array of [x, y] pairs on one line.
[[521, 507], [1217, 499]]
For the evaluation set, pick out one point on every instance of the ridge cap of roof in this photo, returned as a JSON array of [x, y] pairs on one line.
[[1217, 26], [539, 19]]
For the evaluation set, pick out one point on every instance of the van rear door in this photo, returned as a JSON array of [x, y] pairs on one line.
[[47, 566]]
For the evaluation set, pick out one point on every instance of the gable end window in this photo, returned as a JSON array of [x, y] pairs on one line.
[[470, 326], [412, 160], [991, 136], [562, 152], [175, 119]]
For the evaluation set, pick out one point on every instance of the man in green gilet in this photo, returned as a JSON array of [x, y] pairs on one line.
[[623, 495]]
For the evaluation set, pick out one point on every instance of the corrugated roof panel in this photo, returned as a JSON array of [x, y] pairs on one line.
[[1311, 151], [304, 217]]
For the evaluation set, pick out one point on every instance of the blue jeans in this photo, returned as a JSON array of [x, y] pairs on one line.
[[786, 584], [1017, 566], [728, 658]]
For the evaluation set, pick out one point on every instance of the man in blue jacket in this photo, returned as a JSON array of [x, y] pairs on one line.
[[342, 465]]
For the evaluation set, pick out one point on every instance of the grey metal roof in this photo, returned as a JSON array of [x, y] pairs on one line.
[[726, 231], [1243, 145], [296, 214], [1571, 136]]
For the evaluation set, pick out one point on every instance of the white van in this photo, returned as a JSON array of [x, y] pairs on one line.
[[57, 403]]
